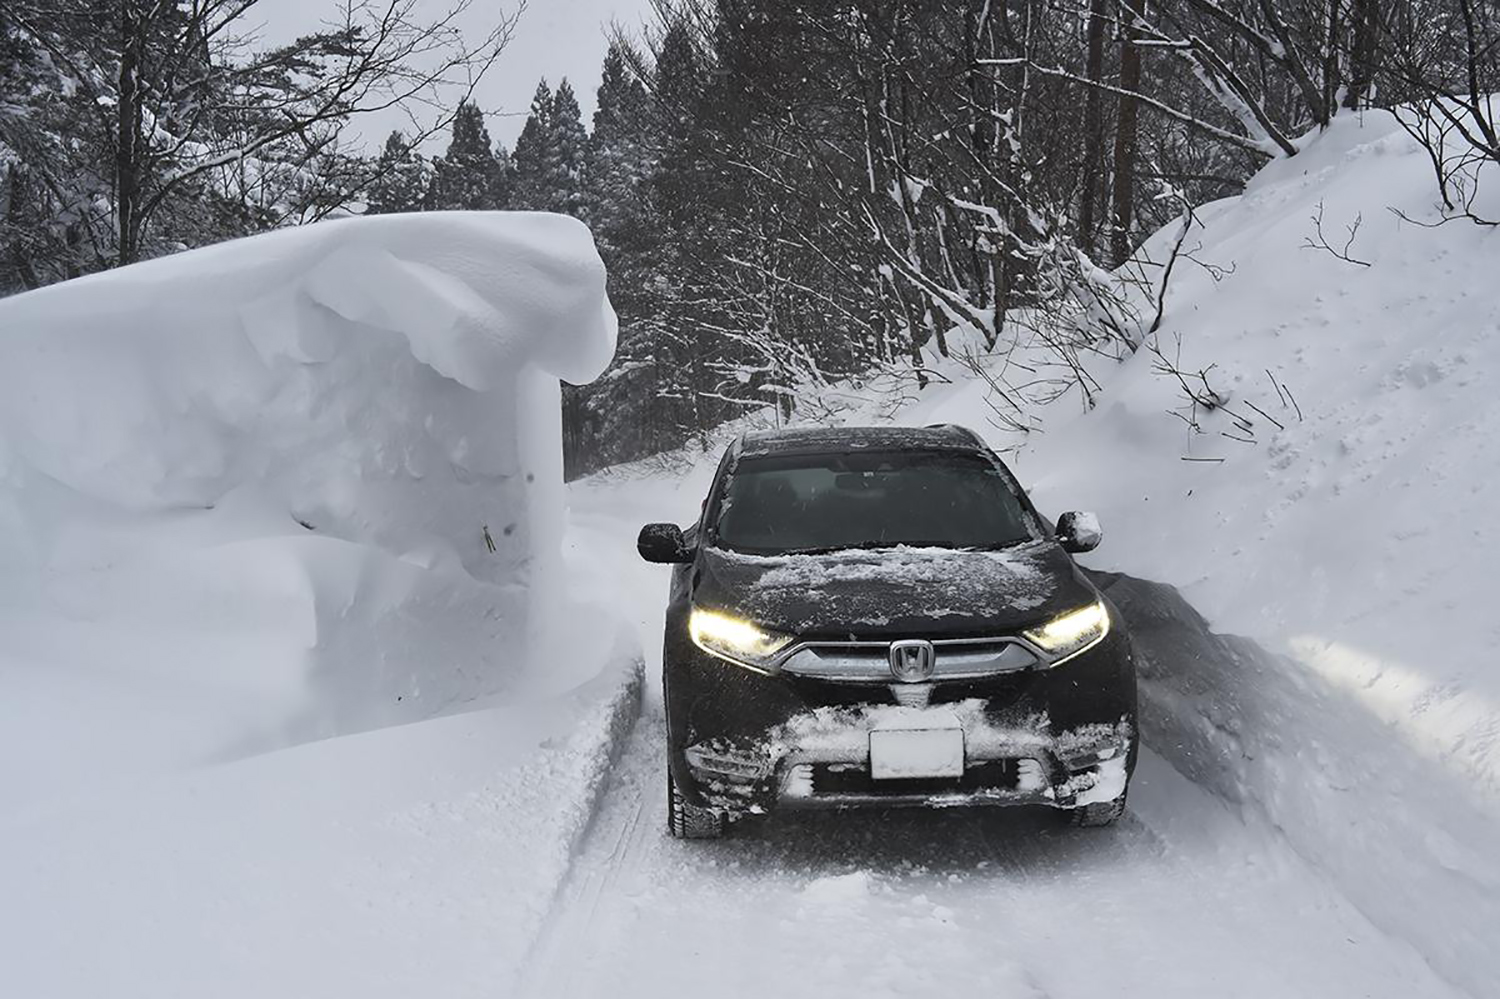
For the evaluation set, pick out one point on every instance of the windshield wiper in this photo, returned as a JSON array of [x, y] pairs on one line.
[[869, 545]]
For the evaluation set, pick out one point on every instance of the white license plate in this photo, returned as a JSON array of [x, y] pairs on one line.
[[907, 753]]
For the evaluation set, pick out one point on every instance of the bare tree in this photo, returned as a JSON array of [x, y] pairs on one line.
[[186, 103]]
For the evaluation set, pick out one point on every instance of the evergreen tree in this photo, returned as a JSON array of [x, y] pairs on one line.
[[506, 178], [534, 152], [569, 154], [619, 163], [469, 175], [621, 415], [403, 178]]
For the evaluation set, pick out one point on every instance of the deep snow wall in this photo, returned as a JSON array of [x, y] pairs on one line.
[[289, 486]]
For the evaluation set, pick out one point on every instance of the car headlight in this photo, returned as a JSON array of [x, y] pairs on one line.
[[736, 639], [1071, 633]]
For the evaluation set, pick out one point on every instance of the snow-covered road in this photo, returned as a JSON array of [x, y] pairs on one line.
[[1187, 897]]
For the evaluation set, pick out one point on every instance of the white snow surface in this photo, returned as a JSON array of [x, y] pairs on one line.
[[286, 702], [1315, 813], [1188, 896], [1342, 757], [248, 493]]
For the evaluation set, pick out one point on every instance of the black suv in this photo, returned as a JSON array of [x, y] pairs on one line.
[[879, 616]]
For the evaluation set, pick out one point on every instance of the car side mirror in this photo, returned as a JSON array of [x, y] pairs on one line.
[[663, 543], [1079, 532]]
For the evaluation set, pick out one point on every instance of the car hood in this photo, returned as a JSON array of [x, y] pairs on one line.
[[896, 591]]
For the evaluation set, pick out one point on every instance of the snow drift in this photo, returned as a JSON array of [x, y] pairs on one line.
[[1343, 524], [282, 488]]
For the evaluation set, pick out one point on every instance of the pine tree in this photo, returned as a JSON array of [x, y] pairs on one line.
[[534, 153], [403, 178], [620, 415], [569, 154], [468, 176], [619, 164]]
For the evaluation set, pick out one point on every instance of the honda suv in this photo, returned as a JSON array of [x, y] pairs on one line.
[[880, 617]]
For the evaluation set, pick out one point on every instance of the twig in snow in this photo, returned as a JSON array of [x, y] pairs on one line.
[[1321, 243], [1284, 393], [1294, 403], [1267, 415]]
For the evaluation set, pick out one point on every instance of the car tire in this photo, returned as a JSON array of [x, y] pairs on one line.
[[689, 821]]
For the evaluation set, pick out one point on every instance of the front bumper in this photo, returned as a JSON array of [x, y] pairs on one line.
[[746, 743]]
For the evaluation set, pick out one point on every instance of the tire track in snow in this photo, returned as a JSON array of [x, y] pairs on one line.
[[1187, 897], [614, 836], [1183, 899]]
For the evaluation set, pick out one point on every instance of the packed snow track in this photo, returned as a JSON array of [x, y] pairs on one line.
[[1186, 897]]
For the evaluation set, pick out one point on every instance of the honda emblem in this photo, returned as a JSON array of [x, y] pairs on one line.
[[912, 660]]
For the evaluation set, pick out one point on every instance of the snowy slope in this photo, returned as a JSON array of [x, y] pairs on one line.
[[1353, 543]]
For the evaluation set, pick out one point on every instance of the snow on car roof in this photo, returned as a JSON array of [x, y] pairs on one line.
[[815, 439]]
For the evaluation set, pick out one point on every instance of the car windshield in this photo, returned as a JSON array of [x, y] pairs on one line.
[[784, 504]]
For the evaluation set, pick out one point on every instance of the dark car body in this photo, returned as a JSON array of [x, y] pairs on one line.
[[815, 729]]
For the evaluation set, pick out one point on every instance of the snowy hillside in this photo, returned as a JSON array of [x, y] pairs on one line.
[[1335, 509]]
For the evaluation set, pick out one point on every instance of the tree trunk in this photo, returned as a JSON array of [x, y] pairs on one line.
[[17, 180], [1093, 130], [127, 137], [1364, 51], [1332, 78], [1125, 134]]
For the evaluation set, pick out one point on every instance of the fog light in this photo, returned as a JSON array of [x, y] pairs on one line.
[[1091, 758], [728, 764]]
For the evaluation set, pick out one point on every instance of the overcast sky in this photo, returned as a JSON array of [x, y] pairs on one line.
[[555, 39]]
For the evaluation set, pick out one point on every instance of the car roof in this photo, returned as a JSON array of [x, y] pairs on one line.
[[820, 440]]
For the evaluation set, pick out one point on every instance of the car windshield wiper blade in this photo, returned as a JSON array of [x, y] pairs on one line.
[[997, 546], [869, 545]]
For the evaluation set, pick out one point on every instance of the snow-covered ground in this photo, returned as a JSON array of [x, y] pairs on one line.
[[278, 720], [1326, 735], [293, 697], [1353, 542], [1189, 896]]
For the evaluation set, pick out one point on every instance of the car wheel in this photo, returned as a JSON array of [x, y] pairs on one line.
[[1099, 813], [688, 821]]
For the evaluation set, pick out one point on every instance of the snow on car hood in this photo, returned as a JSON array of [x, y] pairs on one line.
[[894, 591]]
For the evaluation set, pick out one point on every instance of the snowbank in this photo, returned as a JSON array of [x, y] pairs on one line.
[[283, 488], [1351, 535], [416, 860]]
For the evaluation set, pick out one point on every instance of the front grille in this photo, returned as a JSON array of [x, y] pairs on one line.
[[842, 779], [833, 694], [869, 661]]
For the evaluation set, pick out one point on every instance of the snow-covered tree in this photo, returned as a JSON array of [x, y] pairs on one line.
[[535, 153], [569, 154], [403, 179], [137, 127], [469, 175]]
